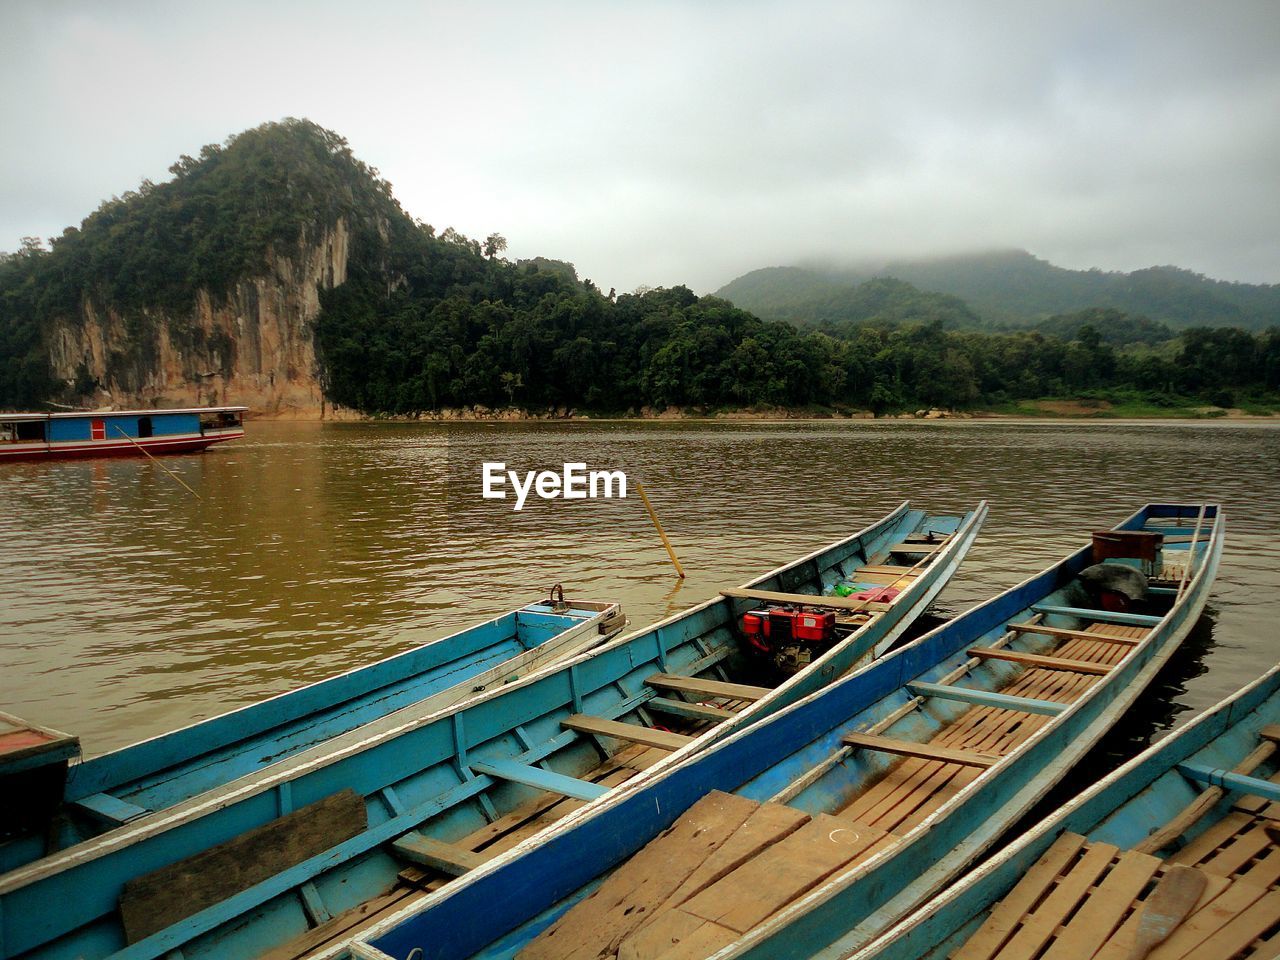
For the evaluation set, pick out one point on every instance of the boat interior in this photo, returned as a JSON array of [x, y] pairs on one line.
[[1208, 876], [875, 776]]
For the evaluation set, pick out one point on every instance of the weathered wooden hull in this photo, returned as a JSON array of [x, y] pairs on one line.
[[1123, 809], [502, 906], [147, 777], [436, 774]]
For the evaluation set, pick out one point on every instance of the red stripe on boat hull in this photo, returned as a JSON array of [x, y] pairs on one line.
[[79, 449]]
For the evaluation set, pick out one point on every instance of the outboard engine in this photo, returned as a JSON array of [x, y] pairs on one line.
[[789, 637]]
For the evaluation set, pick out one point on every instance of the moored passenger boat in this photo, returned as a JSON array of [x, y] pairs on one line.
[[107, 433], [1182, 839], [808, 834], [295, 857]]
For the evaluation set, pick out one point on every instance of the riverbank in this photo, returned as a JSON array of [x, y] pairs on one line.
[[1043, 409]]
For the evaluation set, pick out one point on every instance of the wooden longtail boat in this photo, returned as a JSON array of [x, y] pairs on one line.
[[109, 433], [291, 857], [808, 834], [1200, 802], [125, 785]]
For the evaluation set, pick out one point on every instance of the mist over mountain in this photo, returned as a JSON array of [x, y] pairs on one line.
[[1011, 288]]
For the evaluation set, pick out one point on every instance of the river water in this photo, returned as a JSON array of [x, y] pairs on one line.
[[130, 607]]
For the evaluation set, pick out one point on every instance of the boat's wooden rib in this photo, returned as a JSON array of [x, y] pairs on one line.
[[930, 813], [482, 776], [708, 688]]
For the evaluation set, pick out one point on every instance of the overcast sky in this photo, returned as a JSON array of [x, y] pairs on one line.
[[665, 143]]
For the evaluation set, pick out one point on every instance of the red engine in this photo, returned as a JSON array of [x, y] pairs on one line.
[[791, 636]]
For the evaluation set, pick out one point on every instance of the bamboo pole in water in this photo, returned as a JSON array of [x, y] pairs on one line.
[[120, 431], [662, 533]]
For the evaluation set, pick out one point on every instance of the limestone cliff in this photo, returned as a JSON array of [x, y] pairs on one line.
[[253, 345]]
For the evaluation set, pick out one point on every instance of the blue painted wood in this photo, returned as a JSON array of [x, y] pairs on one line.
[[156, 774], [986, 698], [1231, 781], [112, 811], [413, 777], [463, 919], [542, 779], [1098, 616]]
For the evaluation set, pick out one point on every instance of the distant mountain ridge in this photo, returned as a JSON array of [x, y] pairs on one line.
[[1014, 288]]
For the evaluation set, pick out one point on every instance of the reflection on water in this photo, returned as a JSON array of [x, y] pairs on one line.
[[131, 608]]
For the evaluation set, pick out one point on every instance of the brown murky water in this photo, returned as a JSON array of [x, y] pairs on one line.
[[130, 608]]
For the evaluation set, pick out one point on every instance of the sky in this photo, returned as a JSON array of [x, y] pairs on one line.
[[663, 143]]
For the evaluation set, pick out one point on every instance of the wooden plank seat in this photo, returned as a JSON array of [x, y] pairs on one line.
[[688, 711], [539, 778], [445, 857], [985, 698], [706, 687], [618, 730], [927, 751], [1062, 633], [1038, 660], [806, 599]]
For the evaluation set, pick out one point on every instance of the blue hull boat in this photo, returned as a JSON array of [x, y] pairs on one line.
[[294, 857], [112, 433], [808, 834], [1201, 800], [125, 785]]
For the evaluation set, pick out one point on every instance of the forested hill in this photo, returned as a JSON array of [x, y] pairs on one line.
[[278, 270], [1013, 288]]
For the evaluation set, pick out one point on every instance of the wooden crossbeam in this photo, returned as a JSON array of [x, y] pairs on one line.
[[690, 711], [429, 852], [1231, 781], [631, 732], [986, 698], [707, 688], [1036, 660], [807, 599], [532, 776], [1065, 634], [1099, 616], [925, 751]]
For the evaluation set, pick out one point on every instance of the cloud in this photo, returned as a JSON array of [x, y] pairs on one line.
[[665, 143]]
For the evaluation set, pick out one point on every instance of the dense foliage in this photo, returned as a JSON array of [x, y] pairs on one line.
[[1015, 288], [426, 321]]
